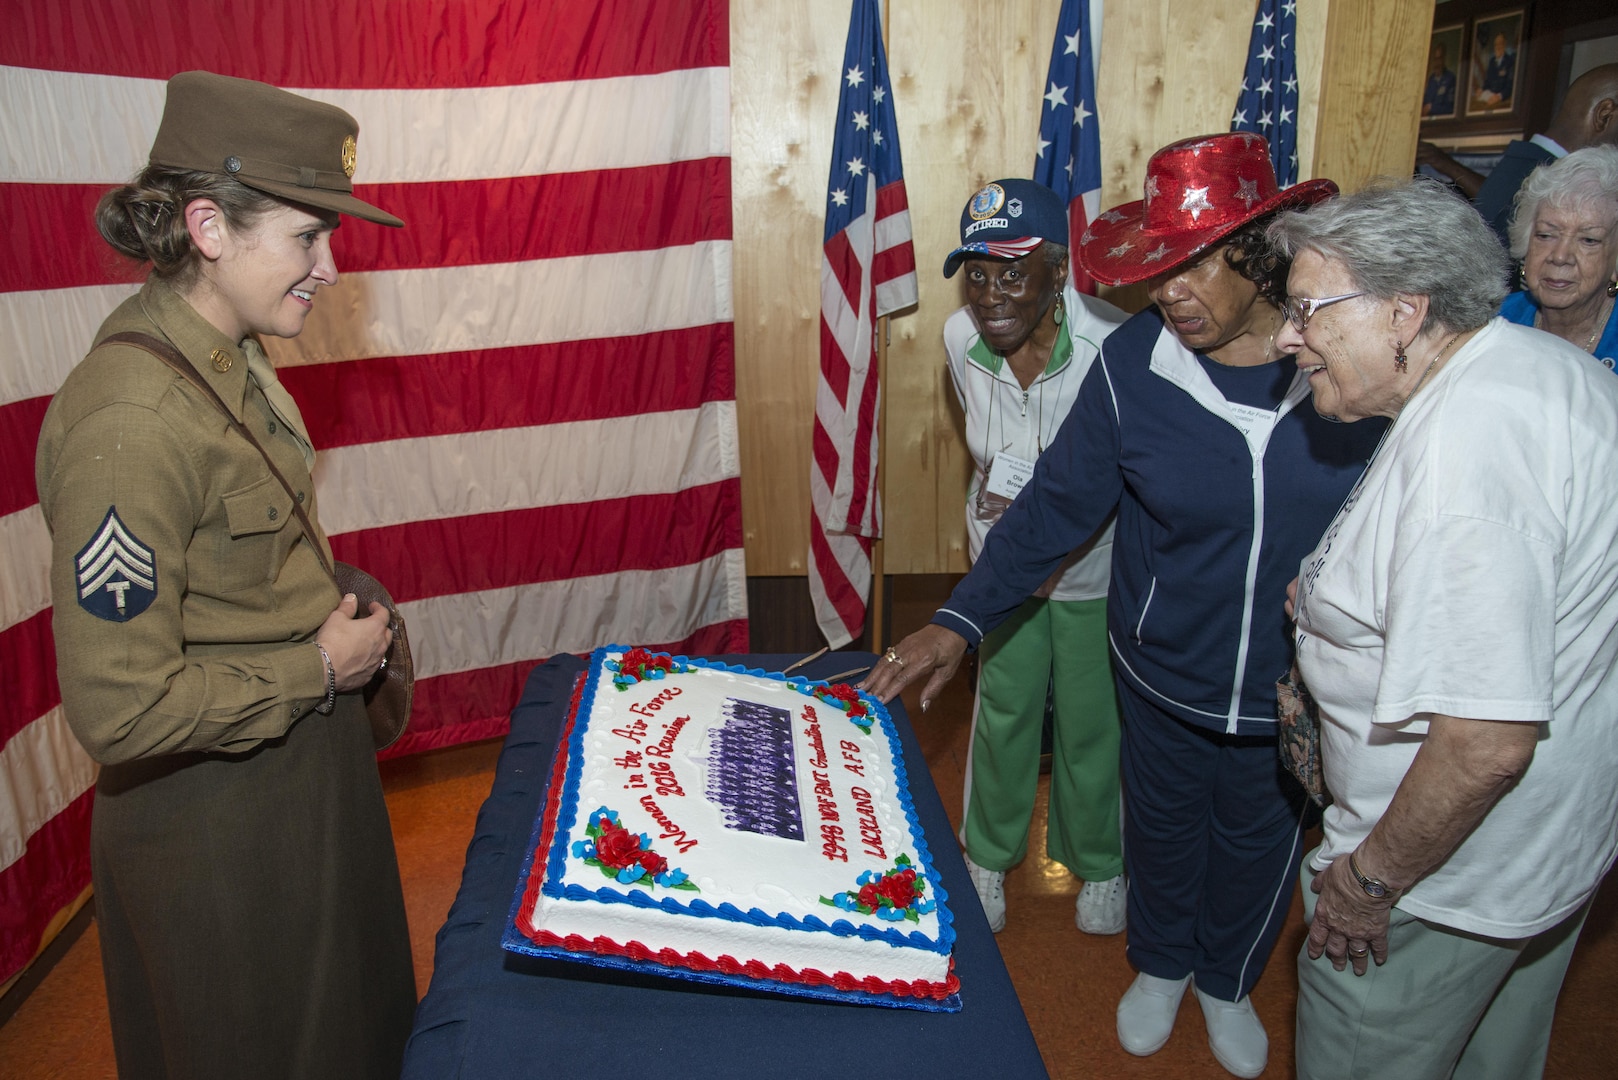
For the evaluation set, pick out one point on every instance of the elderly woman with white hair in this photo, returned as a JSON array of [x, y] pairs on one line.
[[1565, 233], [1458, 626]]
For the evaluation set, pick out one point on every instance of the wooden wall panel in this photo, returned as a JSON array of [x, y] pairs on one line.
[[1375, 67], [784, 58], [968, 79]]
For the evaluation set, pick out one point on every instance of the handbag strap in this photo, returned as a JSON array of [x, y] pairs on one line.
[[176, 360]]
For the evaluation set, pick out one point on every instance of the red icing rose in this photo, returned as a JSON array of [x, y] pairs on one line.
[[843, 692], [652, 862], [633, 659], [899, 888], [617, 847], [868, 897]]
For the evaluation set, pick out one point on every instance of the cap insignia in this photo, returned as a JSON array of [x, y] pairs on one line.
[[233, 164], [1014, 208], [987, 202], [350, 153]]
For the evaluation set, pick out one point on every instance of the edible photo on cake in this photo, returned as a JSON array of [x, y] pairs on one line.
[[731, 826]]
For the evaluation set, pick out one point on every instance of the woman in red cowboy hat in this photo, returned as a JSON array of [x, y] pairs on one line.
[[1195, 428]]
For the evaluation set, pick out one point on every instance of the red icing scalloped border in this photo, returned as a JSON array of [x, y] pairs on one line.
[[842, 981], [752, 969]]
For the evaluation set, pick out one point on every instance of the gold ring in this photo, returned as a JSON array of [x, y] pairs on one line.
[[892, 657]]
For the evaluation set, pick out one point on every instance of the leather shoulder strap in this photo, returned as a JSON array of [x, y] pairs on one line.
[[175, 359]]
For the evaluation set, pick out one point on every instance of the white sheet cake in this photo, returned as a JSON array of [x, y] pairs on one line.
[[734, 826]]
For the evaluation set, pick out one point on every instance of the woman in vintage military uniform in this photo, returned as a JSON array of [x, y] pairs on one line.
[[247, 894]]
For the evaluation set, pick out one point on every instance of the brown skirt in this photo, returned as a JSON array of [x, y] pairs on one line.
[[250, 913]]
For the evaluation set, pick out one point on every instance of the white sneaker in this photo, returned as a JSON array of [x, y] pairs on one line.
[[1100, 907], [1146, 1013], [1235, 1035], [991, 890]]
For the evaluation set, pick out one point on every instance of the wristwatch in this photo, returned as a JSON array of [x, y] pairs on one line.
[[1374, 888]]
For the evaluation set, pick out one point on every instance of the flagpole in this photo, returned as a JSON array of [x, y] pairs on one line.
[[878, 609]]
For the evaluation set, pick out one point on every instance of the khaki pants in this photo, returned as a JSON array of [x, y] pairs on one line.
[[1446, 1004]]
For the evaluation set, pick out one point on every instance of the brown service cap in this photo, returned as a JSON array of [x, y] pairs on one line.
[[271, 140]]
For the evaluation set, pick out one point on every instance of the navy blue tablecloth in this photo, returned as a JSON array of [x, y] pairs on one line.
[[489, 1013]]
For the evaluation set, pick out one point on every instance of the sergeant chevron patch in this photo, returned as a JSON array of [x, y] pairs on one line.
[[117, 574]]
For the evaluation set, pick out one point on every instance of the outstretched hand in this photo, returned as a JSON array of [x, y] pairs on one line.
[[356, 645], [932, 651]]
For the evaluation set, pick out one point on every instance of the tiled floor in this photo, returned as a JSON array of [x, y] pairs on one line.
[[1069, 983]]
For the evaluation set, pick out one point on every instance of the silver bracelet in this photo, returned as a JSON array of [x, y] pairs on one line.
[[325, 707]]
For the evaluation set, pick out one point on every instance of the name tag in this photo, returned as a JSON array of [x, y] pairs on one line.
[[1007, 475], [1249, 420]]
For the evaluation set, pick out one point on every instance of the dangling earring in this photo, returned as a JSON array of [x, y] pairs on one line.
[[1400, 360], [1522, 278], [1612, 287], [1061, 310]]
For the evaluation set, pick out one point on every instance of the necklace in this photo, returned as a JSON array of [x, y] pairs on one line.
[[1595, 334], [1430, 365]]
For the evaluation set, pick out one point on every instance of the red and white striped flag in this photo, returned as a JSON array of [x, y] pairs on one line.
[[868, 271], [524, 401]]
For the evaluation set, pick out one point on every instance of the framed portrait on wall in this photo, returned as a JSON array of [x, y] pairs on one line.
[[1440, 97], [1497, 63]]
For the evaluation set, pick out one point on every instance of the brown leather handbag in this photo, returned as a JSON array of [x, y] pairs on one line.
[[391, 691], [389, 694]]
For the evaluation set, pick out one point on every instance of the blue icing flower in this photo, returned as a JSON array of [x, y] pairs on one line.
[[845, 901], [631, 874], [645, 842], [868, 877], [584, 849], [603, 812], [925, 907], [891, 914], [670, 877]]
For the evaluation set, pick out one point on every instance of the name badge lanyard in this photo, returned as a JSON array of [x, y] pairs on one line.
[[984, 507]]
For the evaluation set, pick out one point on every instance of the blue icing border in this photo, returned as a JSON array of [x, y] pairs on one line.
[[567, 815]]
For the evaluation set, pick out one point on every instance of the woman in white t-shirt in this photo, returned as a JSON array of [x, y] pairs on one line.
[[1458, 626]]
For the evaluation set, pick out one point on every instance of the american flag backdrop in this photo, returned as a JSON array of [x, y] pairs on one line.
[[1068, 160], [1268, 101], [523, 401], [868, 271]]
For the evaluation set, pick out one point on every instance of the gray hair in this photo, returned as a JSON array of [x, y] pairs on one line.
[[1587, 177], [1406, 237], [1055, 254]]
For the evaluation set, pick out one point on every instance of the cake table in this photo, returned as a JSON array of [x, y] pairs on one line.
[[490, 1013]]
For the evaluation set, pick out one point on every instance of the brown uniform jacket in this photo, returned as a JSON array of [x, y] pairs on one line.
[[219, 658], [247, 896]]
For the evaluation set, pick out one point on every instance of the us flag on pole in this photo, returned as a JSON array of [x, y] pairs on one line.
[[1069, 157], [1268, 102], [523, 401], [868, 270]]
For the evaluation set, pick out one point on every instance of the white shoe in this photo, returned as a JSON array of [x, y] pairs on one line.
[[991, 890], [1235, 1035], [1100, 908], [1146, 1013]]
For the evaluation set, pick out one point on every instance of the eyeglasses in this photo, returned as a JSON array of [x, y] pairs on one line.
[[1300, 309]]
